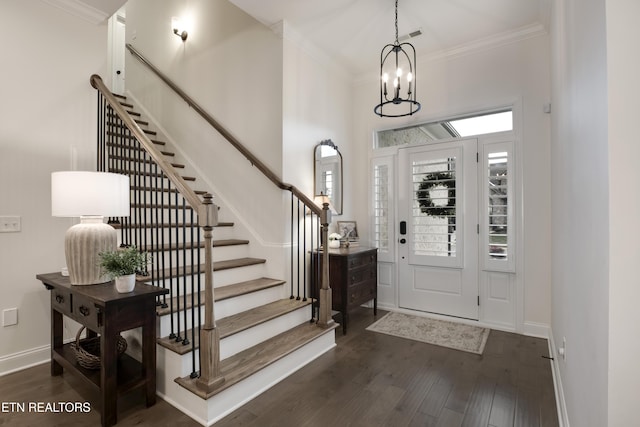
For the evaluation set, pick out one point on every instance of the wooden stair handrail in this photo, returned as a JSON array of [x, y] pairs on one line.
[[187, 192], [228, 136]]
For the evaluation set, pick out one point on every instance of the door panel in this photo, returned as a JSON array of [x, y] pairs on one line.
[[438, 199]]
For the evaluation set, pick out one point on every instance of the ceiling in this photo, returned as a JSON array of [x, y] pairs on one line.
[[353, 32]]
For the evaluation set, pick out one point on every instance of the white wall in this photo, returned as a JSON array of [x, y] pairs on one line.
[[47, 123], [580, 209], [316, 106], [231, 65], [509, 74], [623, 69]]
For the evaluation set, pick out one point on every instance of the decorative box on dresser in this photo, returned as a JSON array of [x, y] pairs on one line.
[[353, 277]]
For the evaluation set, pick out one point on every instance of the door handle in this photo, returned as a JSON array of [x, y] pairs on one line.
[[403, 227]]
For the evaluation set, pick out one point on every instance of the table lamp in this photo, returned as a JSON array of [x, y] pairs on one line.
[[91, 196]]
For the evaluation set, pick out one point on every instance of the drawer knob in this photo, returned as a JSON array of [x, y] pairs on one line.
[[84, 310], [59, 299]]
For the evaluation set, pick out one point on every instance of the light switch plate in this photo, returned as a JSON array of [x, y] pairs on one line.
[[10, 224], [10, 317]]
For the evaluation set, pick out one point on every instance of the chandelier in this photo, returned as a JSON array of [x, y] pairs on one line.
[[398, 63]]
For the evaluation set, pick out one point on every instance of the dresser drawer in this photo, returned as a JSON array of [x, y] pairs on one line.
[[61, 301], [360, 275], [362, 260], [361, 293], [85, 312]]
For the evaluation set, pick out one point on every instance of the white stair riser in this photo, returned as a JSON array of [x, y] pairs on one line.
[[220, 279], [259, 333], [225, 308]]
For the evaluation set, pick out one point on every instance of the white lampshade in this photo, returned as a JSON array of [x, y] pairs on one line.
[[76, 194], [90, 196]]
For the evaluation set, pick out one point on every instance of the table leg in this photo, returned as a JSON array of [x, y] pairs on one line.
[[56, 340], [109, 378], [149, 352]]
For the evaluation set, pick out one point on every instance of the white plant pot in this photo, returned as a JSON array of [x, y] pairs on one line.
[[334, 244], [126, 283]]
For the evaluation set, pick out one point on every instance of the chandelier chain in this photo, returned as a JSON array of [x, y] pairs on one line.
[[397, 22]]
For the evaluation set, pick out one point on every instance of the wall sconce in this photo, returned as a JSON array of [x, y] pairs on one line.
[[178, 29]]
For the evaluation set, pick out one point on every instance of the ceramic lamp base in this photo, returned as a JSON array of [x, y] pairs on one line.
[[82, 244]]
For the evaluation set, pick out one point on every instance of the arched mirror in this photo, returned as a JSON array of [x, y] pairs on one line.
[[328, 173]]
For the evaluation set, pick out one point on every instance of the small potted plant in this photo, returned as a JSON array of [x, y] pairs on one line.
[[334, 240], [122, 265]]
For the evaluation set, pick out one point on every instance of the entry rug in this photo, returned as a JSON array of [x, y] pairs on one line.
[[433, 331]]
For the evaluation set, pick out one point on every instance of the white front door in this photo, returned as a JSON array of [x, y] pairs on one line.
[[438, 233]]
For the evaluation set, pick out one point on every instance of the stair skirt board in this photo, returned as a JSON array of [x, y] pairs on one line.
[[207, 412]]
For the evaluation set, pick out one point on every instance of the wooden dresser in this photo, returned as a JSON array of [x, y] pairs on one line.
[[353, 274]]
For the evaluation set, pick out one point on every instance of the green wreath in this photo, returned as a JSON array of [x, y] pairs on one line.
[[431, 181]]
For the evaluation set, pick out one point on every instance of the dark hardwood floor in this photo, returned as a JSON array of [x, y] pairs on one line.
[[369, 379]]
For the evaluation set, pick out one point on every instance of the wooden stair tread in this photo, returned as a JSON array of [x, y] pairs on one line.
[[225, 292], [239, 322], [236, 263], [165, 190], [194, 245], [167, 225], [153, 175], [144, 161], [128, 136], [217, 266], [242, 365]]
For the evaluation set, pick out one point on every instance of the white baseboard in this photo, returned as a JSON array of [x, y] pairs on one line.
[[563, 417], [538, 330], [24, 359]]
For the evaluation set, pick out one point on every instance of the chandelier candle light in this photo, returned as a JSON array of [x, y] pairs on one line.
[[90, 196], [398, 62]]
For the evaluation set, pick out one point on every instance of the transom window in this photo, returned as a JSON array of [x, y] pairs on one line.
[[462, 127]]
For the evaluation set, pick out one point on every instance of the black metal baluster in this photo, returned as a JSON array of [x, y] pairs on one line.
[[145, 207], [177, 255], [298, 243], [193, 302], [139, 207], [101, 158], [170, 254], [291, 271], [161, 241], [185, 341], [303, 254], [128, 165]]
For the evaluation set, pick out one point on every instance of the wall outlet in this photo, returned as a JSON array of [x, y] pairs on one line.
[[10, 317], [10, 224]]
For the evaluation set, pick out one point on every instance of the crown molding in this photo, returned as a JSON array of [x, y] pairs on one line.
[[80, 9]]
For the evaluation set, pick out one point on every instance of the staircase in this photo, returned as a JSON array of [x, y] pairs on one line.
[[262, 331]]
